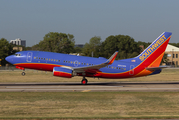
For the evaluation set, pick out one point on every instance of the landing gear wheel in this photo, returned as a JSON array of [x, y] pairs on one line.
[[84, 81], [23, 73]]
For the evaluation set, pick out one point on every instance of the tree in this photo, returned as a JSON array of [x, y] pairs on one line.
[[175, 44], [125, 45], [28, 48], [6, 49], [143, 45], [35, 47], [92, 47], [164, 59], [56, 42], [78, 50], [109, 46]]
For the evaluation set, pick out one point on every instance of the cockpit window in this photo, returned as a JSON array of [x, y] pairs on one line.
[[17, 54]]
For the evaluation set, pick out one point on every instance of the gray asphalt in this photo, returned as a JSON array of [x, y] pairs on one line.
[[91, 87]]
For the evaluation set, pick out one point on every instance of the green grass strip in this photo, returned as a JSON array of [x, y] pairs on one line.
[[91, 105]]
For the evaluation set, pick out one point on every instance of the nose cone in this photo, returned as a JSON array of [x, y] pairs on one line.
[[9, 59]]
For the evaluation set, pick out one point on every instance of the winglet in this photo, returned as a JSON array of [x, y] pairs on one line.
[[112, 58]]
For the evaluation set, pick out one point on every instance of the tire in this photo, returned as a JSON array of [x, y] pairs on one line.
[[23, 73], [84, 82]]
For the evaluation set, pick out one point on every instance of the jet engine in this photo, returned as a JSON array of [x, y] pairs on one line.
[[62, 72]]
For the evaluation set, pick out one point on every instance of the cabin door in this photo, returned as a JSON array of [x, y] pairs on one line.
[[131, 72], [29, 57]]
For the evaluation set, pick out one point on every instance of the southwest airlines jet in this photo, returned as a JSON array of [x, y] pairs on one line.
[[64, 65]]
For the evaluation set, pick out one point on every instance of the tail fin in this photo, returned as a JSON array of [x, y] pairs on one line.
[[153, 54]]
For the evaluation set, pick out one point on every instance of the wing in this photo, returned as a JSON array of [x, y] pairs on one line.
[[94, 68]]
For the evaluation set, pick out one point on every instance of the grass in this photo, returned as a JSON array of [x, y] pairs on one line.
[[41, 76], [90, 105]]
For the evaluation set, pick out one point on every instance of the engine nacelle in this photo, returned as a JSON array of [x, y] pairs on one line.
[[62, 72]]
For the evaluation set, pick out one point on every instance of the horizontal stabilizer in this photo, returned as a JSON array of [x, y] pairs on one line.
[[157, 68]]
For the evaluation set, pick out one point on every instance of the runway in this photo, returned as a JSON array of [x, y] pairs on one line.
[[91, 87]]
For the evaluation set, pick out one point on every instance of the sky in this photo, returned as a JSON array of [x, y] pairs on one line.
[[143, 20]]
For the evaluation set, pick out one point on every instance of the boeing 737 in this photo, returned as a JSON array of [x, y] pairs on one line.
[[65, 65]]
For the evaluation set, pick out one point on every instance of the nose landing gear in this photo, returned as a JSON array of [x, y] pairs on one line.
[[21, 68], [23, 73]]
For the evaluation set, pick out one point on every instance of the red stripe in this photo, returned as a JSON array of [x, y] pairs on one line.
[[38, 66]]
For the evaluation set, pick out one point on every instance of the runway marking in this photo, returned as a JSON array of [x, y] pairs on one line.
[[86, 91]]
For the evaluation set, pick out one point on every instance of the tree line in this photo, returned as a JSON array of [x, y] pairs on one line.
[[65, 43]]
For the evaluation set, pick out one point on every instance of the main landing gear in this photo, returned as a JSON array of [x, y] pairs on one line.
[[84, 81]]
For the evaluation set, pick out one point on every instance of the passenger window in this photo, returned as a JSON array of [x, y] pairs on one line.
[[58, 60], [51, 59], [79, 63], [34, 57], [46, 58], [84, 63]]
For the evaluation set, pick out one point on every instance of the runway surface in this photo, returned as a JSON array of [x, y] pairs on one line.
[[91, 87]]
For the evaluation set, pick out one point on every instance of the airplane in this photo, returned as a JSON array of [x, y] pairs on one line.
[[68, 66]]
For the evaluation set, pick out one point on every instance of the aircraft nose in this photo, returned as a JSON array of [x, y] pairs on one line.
[[9, 59]]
